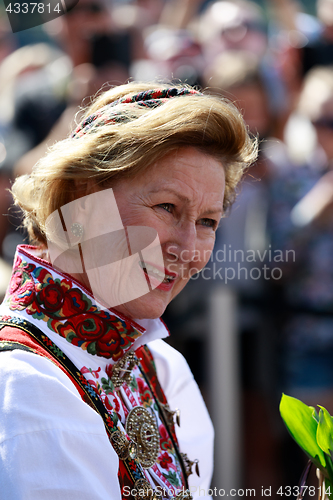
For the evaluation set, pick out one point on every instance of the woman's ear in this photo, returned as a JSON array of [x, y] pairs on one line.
[[82, 188]]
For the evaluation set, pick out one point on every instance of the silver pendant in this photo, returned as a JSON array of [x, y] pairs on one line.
[[123, 447]]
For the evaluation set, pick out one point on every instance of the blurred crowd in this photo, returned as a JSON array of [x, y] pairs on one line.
[[274, 60]]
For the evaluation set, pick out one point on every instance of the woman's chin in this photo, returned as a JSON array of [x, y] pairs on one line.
[[145, 307]]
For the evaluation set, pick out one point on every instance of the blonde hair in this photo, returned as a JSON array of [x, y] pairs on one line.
[[209, 123]]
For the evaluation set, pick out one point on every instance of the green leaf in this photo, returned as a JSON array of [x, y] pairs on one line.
[[301, 422], [315, 414], [107, 385], [57, 351], [172, 478], [325, 431]]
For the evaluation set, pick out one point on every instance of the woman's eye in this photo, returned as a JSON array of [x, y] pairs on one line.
[[209, 223], [166, 206]]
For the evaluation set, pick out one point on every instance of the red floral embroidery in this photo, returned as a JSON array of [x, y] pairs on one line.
[[108, 370], [165, 460], [95, 373], [145, 394], [52, 297], [68, 311], [116, 404], [21, 290]]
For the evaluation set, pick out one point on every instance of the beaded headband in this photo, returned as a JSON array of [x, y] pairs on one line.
[[147, 98]]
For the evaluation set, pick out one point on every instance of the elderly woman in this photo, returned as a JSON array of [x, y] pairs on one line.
[[122, 214]]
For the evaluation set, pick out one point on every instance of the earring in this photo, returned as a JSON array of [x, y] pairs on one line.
[[77, 230]]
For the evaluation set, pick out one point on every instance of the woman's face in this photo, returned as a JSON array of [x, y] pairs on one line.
[[181, 197]]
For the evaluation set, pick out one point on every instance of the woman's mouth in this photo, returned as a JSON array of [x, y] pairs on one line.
[[164, 277]]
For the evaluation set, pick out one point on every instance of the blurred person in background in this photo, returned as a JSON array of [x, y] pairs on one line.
[[318, 50], [300, 220], [299, 41], [237, 25], [33, 96], [242, 241], [43, 84], [171, 48], [240, 75]]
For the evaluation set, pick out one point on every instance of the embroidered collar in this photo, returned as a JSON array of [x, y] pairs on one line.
[[68, 309]]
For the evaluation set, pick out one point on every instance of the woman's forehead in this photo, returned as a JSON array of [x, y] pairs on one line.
[[189, 177]]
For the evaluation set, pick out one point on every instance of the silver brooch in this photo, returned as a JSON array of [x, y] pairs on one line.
[[121, 371], [141, 427]]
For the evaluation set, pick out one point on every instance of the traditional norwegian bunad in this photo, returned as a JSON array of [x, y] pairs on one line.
[[89, 399]]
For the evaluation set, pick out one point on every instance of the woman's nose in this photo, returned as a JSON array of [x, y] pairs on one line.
[[183, 243]]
